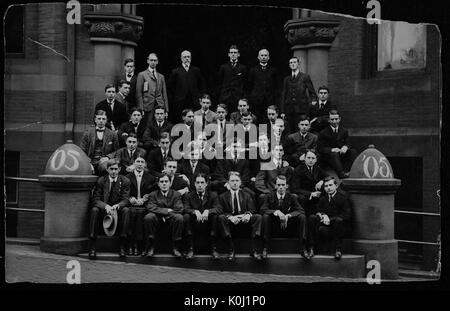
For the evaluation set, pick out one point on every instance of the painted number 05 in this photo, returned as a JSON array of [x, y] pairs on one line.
[[380, 167], [60, 157]]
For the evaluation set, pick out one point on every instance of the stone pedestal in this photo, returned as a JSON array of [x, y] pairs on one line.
[[68, 181], [372, 187], [311, 39]]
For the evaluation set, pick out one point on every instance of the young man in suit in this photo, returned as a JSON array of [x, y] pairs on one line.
[[186, 129], [283, 214], [204, 115], [178, 182], [300, 141], [297, 94], [130, 77], [158, 125], [99, 141], [158, 156], [111, 193], [238, 209], [307, 182], [243, 108], [151, 88], [126, 155], [136, 125], [192, 166], [262, 84], [333, 209], [123, 89], [334, 147], [320, 110], [201, 208], [186, 83], [142, 183], [115, 111], [232, 79], [221, 130], [164, 206]]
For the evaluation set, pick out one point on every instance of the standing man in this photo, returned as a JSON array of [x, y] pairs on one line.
[[151, 88], [204, 115], [164, 206], [262, 84], [297, 95], [111, 195], [186, 83], [123, 88], [232, 78], [99, 141], [129, 76], [282, 212], [115, 111], [334, 146], [320, 110]]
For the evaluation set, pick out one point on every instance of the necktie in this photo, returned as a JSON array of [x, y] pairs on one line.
[[164, 155], [329, 198], [154, 74], [138, 179], [235, 203], [204, 119], [112, 192], [293, 76]]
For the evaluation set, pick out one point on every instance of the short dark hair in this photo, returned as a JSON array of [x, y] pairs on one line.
[[282, 177], [185, 111], [128, 60], [111, 162], [169, 159], [161, 107], [234, 47], [313, 151], [273, 107], [328, 178], [134, 109], [201, 174], [323, 87], [234, 173], [333, 111], [122, 82], [303, 117], [100, 112], [205, 96], [110, 85], [133, 135], [164, 135], [244, 100], [163, 174], [223, 106]]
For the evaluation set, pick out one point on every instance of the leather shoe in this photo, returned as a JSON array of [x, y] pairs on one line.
[[92, 253], [130, 251], [264, 253], [305, 254], [311, 252], [190, 253], [176, 253], [231, 255], [255, 255], [338, 254], [148, 252], [135, 251], [122, 253], [215, 254]]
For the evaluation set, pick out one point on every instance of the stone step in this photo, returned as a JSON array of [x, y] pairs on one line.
[[349, 266]]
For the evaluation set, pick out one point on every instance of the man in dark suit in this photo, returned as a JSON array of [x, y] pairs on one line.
[[151, 88], [164, 206], [221, 129], [115, 111], [279, 134], [334, 146], [158, 156], [136, 125], [262, 85], [238, 209], [320, 110], [131, 78], [201, 208], [178, 182], [111, 193], [185, 130], [123, 89], [298, 142], [333, 209], [99, 141], [158, 125], [297, 94], [307, 181], [192, 166], [266, 178], [185, 84], [283, 214], [232, 79], [142, 183], [263, 155], [126, 155], [243, 108]]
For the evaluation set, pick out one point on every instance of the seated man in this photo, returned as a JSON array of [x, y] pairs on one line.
[[243, 108], [136, 126], [178, 182], [192, 166], [99, 141], [186, 126], [272, 115], [155, 128], [221, 128], [307, 182], [279, 134], [334, 147], [238, 209], [163, 205], [267, 176], [206, 152], [298, 142], [126, 155], [141, 185], [282, 212], [111, 195], [204, 115], [158, 156], [263, 155], [333, 209], [319, 112], [201, 208]]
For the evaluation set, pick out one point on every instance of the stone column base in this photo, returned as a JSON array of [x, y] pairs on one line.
[[385, 251], [65, 246]]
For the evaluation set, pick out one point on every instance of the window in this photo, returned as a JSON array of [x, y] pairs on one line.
[[401, 46], [14, 33]]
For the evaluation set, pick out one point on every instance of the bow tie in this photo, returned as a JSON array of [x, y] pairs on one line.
[[129, 76], [100, 130]]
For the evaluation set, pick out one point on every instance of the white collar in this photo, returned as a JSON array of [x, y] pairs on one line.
[[112, 179], [138, 174], [280, 197]]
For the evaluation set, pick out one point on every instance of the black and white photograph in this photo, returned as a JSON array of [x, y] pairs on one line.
[[222, 143]]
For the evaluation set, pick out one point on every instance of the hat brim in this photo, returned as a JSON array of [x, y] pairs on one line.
[[111, 230]]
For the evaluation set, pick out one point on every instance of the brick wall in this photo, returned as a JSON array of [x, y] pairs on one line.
[[85, 49], [31, 30], [52, 29]]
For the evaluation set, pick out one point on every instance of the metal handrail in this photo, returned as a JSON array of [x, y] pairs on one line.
[[30, 210], [22, 179], [416, 213]]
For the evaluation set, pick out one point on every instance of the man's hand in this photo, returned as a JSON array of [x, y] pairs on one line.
[[253, 179], [183, 191], [130, 168], [133, 200], [319, 185], [302, 157], [140, 202], [185, 178], [198, 215], [344, 149], [205, 215], [336, 150], [108, 209], [246, 218], [315, 194], [284, 221], [228, 186], [325, 220], [115, 206], [145, 197], [169, 210], [234, 219], [102, 159], [285, 163]]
